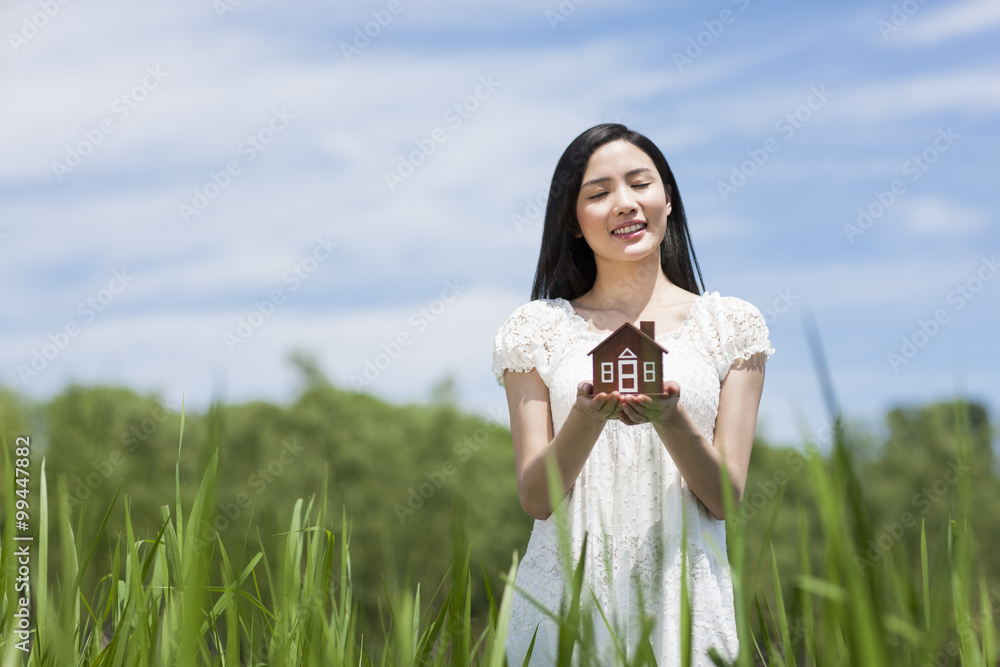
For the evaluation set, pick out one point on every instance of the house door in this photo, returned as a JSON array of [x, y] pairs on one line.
[[628, 371]]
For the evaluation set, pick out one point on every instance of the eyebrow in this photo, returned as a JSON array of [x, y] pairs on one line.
[[629, 174]]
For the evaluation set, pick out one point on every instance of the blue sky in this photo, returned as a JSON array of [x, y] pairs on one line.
[[191, 190]]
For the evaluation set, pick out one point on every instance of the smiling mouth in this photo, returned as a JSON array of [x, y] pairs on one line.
[[630, 229]]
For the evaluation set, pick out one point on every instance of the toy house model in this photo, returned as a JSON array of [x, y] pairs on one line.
[[629, 361]]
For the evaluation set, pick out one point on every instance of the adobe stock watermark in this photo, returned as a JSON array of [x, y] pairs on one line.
[[144, 430], [453, 117], [533, 211], [122, 107], [33, 24], [921, 502], [252, 146], [294, 277], [363, 35], [223, 7], [462, 451], [316, 603], [763, 492], [914, 167], [419, 321], [84, 487], [87, 311], [562, 12], [968, 631], [698, 44], [783, 300], [786, 127], [266, 475], [900, 16], [927, 329]]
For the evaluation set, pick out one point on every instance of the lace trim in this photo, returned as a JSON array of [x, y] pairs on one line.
[[529, 339], [734, 330]]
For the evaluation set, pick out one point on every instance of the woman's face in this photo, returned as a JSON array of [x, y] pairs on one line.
[[623, 205]]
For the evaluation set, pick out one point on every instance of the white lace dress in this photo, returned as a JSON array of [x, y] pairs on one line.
[[629, 497]]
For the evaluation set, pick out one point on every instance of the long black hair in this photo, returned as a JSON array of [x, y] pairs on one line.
[[566, 266]]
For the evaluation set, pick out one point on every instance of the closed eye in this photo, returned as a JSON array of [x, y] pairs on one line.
[[641, 185], [598, 195]]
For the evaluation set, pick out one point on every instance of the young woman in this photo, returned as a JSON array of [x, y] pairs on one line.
[[634, 468]]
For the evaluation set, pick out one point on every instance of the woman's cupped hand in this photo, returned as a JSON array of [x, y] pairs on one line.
[[629, 409]]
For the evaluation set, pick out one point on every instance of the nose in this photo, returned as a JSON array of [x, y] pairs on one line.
[[624, 202]]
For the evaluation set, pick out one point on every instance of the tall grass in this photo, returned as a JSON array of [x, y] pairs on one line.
[[169, 599]]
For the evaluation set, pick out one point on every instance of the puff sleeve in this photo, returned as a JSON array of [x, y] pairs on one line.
[[527, 340], [743, 333], [733, 329]]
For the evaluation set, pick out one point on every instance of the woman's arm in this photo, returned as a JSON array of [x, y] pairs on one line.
[[700, 461], [534, 443]]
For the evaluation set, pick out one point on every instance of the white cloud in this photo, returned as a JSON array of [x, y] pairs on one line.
[[966, 91], [452, 218], [397, 352], [949, 22], [937, 216], [853, 283]]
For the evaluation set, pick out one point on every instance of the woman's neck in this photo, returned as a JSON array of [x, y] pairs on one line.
[[627, 286]]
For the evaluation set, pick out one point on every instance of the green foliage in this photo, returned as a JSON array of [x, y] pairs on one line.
[[873, 553], [173, 600], [396, 471]]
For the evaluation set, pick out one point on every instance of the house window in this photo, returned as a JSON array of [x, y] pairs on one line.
[[649, 371], [628, 375], [607, 371]]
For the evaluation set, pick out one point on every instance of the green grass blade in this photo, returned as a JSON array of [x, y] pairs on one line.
[[925, 575], [786, 638]]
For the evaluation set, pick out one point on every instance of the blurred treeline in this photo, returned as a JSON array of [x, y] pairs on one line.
[[397, 471]]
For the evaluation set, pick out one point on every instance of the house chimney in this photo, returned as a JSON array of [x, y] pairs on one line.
[[648, 328]]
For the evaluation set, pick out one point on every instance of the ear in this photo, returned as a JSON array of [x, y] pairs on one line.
[[574, 229], [670, 208]]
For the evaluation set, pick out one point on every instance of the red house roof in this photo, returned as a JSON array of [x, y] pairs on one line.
[[639, 332]]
